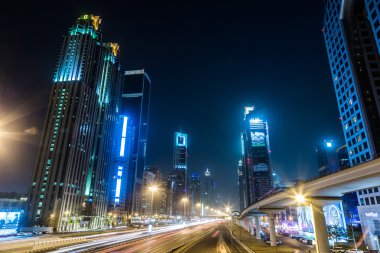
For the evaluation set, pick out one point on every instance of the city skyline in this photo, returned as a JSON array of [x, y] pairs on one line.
[[181, 95], [191, 127]]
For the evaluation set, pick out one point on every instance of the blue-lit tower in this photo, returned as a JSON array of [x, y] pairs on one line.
[[256, 166], [177, 181], [351, 31], [121, 178], [97, 182], [69, 175], [351, 37], [131, 141]]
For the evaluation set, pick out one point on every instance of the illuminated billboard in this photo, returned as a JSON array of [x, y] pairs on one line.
[[180, 139], [258, 139], [9, 222], [305, 221], [334, 215]]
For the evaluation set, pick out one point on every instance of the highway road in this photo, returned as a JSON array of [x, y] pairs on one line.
[[210, 237], [219, 240], [159, 241]]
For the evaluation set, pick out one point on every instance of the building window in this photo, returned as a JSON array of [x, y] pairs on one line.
[[366, 201], [372, 201]]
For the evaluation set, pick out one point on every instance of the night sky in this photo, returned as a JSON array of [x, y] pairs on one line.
[[206, 60]]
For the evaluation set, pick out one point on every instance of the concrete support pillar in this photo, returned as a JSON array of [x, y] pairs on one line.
[[320, 230], [258, 228], [251, 227], [272, 229]]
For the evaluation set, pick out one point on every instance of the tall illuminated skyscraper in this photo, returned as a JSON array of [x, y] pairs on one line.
[[177, 181], [70, 175], [352, 36], [351, 31], [208, 190], [195, 193], [242, 187], [256, 167], [131, 139]]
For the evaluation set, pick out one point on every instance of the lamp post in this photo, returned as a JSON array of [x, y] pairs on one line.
[[353, 234], [377, 242], [153, 189], [184, 200]]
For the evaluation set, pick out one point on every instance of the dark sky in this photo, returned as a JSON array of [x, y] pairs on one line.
[[206, 60]]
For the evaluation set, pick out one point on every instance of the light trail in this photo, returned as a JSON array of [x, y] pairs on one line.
[[114, 240]]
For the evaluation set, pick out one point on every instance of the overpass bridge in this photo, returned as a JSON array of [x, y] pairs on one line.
[[316, 194]]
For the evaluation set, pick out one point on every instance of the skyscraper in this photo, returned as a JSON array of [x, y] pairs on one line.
[[148, 194], [195, 193], [256, 166], [121, 176], [208, 190], [177, 179], [343, 159], [326, 158], [352, 42], [134, 109], [69, 179], [351, 32], [242, 187]]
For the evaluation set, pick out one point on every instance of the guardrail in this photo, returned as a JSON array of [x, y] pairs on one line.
[[241, 244]]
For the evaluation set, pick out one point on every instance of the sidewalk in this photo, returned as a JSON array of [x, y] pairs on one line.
[[259, 246]]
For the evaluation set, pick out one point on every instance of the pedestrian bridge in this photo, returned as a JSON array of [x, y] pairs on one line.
[[318, 192]]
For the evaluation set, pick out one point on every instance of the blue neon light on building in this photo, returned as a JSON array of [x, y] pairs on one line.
[[352, 73], [181, 139], [123, 136], [118, 184]]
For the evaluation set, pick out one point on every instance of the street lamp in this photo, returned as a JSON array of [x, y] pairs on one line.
[[377, 242], [300, 198], [184, 200], [153, 189]]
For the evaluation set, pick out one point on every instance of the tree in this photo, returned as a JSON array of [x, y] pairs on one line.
[[336, 233]]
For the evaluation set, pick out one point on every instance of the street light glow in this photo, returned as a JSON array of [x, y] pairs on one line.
[[153, 188], [300, 198]]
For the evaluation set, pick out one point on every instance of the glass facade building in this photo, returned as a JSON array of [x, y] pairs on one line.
[[134, 105], [256, 167], [177, 181], [195, 193], [351, 32], [351, 37], [68, 189]]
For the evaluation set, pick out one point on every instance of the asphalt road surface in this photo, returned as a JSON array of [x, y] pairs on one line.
[[213, 237], [219, 240]]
